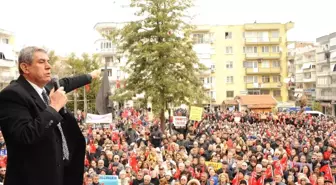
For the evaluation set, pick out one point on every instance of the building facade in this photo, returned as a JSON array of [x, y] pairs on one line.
[[243, 59], [305, 73], [8, 58], [107, 50], [326, 73]]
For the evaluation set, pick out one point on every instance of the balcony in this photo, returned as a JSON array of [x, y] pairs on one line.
[[262, 70], [262, 40], [208, 86], [271, 85], [325, 97], [257, 56], [325, 61], [322, 73], [311, 78], [327, 85]]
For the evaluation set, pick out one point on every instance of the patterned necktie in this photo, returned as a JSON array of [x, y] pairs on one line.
[[64, 143]]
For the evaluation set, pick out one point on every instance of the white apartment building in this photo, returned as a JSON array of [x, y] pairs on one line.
[[107, 50], [8, 58], [326, 73], [305, 73], [108, 53]]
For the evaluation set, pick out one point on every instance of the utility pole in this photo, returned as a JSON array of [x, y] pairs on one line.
[[85, 102], [75, 102]]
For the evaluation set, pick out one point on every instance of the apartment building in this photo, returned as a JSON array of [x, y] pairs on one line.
[[8, 58], [326, 73], [305, 73], [243, 59], [107, 50]]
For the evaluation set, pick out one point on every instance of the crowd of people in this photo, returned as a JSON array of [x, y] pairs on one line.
[[256, 149]]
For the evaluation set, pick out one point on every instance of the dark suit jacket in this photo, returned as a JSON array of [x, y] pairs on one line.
[[34, 143]]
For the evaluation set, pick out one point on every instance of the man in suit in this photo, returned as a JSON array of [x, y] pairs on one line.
[[44, 142]]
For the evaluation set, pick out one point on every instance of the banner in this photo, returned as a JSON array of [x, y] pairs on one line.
[[196, 113], [108, 179], [3, 152], [180, 121], [94, 118], [215, 166]]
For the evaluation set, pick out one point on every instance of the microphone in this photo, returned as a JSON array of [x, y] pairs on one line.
[[56, 86]]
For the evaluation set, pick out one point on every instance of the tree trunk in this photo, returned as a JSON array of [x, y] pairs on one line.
[[163, 120]]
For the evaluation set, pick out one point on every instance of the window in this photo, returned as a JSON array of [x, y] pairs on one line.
[[202, 80], [108, 59], [265, 79], [202, 38], [229, 65], [251, 34], [229, 79], [276, 64], [229, 50], [253, 92], [250, 49], [118, 73], [276, 93], [229, 94], [265, 49], [265, 64], [228, 35], [275, 49], [5, 41], [264, 91], [212, 68], [250, 64], [106, 45], [275, 34], [109, 72], [213, 94], [276, 78], [251, 79]]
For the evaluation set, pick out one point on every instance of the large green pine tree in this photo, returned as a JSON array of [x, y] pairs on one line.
[[161, 61]]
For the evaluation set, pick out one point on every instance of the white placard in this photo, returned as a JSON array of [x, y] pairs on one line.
[[95, 118]]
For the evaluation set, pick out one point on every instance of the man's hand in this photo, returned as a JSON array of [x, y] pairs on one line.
[[58, 98], [95, 74]]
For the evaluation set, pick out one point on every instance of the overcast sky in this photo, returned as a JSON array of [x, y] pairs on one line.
[[67, 26]]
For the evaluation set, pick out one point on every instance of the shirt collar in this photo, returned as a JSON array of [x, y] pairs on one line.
[[38, 89]]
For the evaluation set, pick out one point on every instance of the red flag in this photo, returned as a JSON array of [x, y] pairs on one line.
[[87, 87], [327, 172], [118, 84]]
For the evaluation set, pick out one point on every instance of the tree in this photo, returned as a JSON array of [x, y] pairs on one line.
[[161, 61], [53, 58], [317, 106], [83, 65]]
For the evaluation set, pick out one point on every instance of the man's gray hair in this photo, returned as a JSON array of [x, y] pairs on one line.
[[27, 55]]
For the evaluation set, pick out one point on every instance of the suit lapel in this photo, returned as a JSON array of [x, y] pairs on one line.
[[25, 84]]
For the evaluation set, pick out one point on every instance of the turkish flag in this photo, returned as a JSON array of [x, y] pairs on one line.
[[327, 172]]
